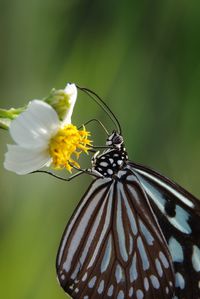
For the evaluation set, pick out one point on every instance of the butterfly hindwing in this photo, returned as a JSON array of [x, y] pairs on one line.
[[113, 246], [178, 214]]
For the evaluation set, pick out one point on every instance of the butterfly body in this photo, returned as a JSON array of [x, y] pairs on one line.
[[110, 162], [133, 235]]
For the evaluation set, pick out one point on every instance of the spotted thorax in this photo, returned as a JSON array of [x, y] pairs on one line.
[[44, 135]]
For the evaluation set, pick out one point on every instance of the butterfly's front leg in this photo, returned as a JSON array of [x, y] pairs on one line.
[[91, 171]]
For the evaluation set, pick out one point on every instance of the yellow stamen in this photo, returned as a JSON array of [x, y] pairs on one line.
[[67, 142]]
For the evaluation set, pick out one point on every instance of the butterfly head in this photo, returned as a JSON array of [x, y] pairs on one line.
[[115, 140]]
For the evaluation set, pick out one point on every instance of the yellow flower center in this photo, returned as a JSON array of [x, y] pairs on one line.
[[67, 145]]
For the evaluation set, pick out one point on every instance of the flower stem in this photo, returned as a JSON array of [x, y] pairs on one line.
[[10, 113]]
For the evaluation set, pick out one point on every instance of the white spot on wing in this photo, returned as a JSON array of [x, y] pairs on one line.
[[130, 244], [84, 277], [120, 295], [143, 255], [74, 274], [101, 287], [180, 221], [158, 267], [92, 282], [155, 281], [120, 229], [179, 281], [176, 250], [146, 284], [148, 236], [133, 270], [130, 293], [129, 212], [164, 260], [118, 273], [139, 294], [110, 290], [107, 256], [76, 280], [196, 258]]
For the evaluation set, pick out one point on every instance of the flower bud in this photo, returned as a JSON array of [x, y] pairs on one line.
[[63, 100]]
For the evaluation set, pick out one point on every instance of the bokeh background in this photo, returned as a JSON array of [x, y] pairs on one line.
[[143, 58]]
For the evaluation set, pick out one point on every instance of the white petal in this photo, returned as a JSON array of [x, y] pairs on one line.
[[35, 126], [71, 91], [24, 161]]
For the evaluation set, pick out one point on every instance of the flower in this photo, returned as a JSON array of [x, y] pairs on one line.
[[43, 140]]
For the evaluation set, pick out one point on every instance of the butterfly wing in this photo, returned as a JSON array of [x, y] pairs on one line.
[[178, 214], [113, 246]]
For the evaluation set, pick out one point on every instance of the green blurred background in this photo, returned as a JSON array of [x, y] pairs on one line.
[[143, 58]]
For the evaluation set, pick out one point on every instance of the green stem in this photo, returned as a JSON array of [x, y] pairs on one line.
[[11, 113], [7, 115]]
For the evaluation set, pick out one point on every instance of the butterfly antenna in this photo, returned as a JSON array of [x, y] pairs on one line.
[[103, 105]]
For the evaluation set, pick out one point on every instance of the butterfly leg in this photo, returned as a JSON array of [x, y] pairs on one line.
[[59, 177], [78, 173], [89, 171]]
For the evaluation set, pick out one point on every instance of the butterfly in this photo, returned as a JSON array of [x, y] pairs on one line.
[[134, 234]]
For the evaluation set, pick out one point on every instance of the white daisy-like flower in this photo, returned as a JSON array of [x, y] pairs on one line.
[[41, 139]]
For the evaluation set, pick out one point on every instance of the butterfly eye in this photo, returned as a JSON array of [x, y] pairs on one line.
[[117, 139]]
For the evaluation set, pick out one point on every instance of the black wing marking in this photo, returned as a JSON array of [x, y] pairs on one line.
[[113, 246], [178, 213]]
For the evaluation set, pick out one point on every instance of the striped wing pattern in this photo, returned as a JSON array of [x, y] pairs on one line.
[[178, 214], [113, 246]]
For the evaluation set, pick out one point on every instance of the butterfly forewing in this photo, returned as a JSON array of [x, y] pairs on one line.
[[113, 246], [178, 214]]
